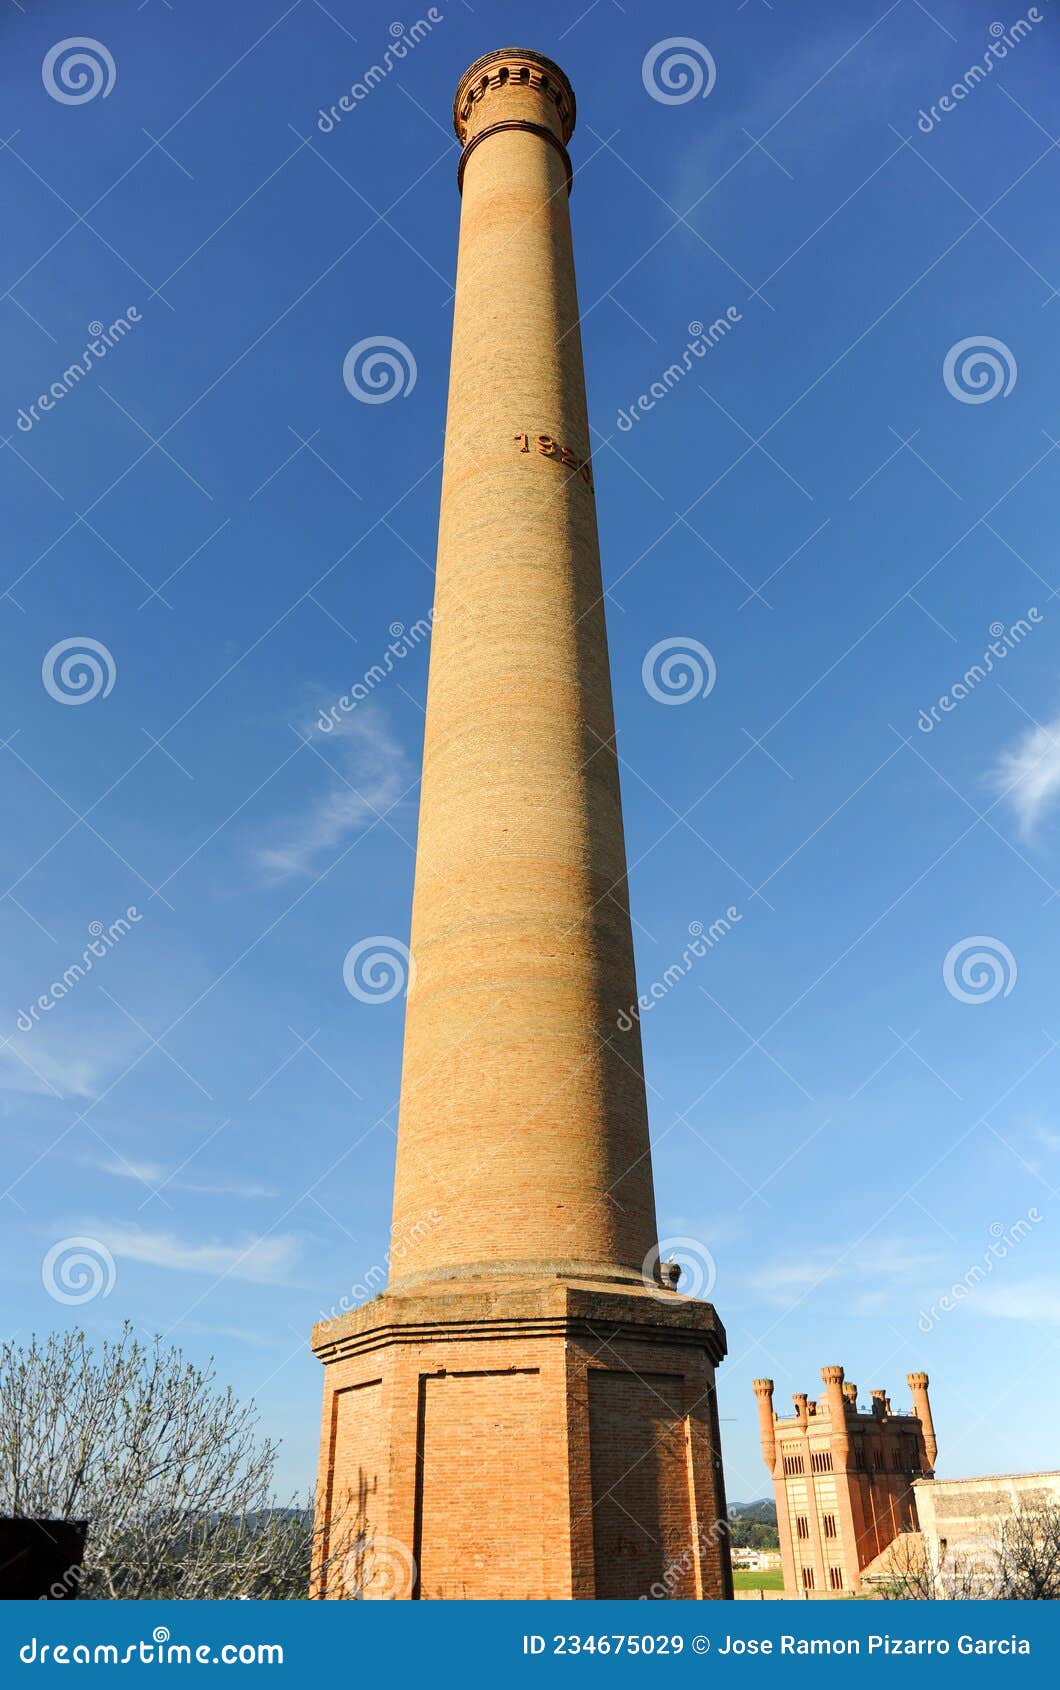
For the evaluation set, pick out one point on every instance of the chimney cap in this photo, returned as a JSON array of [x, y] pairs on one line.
[[519, 55]]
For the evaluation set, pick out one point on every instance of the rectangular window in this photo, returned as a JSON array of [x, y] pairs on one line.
[[877, 1460], [829, 1525], [835, 1577], [859, 1457], [896, 1460], [793, 1464], [821, 1460], [802, 1526], [807, 1578]]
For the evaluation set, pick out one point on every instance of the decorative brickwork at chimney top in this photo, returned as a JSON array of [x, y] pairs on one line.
[[528, 1410], [843, 1479]]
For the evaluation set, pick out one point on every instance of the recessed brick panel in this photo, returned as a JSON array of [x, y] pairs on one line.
[[479, 1526], [357, 1458], [642, 1527]]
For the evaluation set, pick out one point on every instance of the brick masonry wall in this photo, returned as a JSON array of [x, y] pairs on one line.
[[480, 1527], [642, 1525], [496, 1438], [523, 1118]]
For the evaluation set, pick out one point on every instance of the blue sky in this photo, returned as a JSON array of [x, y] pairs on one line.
[[840, 1131]]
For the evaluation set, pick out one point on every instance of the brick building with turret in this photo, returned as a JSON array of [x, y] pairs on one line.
[[843, 1478]]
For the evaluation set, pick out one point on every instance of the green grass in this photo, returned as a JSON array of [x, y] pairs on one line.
[[770, 1578]]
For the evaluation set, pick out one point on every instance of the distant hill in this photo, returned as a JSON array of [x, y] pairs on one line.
[[763, 1512], [754, 1524]]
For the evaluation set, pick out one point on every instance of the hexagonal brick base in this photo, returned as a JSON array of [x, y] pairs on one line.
[[496, 1439]]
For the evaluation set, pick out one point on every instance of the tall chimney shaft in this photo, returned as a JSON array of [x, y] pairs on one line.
[[523, 1120]]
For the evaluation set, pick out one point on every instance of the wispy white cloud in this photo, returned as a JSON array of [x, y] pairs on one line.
[[155, 1174], [1036, 1300], [40, 1064], [264, 1261], [1027, 775], [888, 1262], [367, 774], [1039, 1141]]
